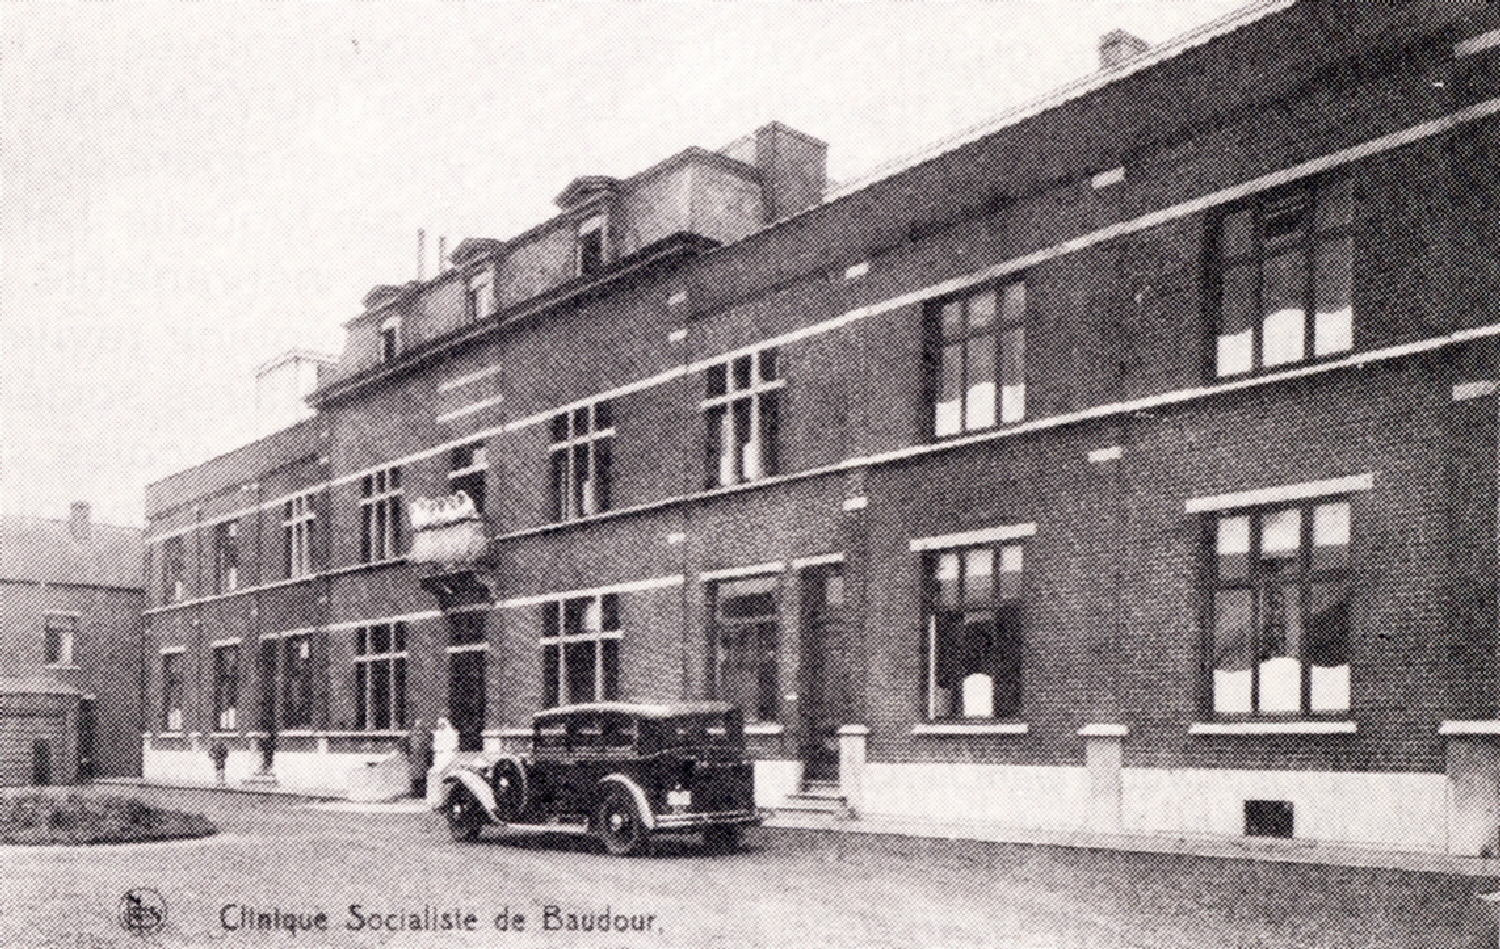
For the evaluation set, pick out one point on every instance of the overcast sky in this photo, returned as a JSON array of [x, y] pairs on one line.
[[190, 189]]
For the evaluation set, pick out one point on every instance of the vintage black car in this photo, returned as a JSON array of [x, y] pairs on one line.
[[623, 772]]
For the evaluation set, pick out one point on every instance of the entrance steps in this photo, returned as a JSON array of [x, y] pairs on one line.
[[817, 799]]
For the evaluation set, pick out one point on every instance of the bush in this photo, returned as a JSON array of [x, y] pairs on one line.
[[71, 819]]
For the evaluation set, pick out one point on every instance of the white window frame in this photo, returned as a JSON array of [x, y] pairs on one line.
[[388, 339], [593, 632], [478, 465], [173, 714], [380, 515], [67, 638], [593, 224], [226, 718], [481, 293], [226, 572], [572, 499], [391, 659], [298, 517], [737, 463]]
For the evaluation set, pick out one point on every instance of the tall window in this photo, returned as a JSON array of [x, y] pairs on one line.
[[171, 691], [226, 556], [979, 357], [974, 645], [746, 635], [581, 650], [1279, 636], [297, 681], [226, 672], [467, 469], [297, 519], [60, 635], [380, 515], [173, 569], [481, 294], [389, 338], [582, 453], [741, 418], [591, 245], [380, 676], [1283, 265]]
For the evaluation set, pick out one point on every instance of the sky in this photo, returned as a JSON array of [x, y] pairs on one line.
[[190, 189]]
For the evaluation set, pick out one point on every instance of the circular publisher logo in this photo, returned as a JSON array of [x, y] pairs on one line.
[[142, 911]]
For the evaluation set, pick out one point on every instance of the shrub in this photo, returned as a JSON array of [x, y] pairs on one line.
[[41, 819]]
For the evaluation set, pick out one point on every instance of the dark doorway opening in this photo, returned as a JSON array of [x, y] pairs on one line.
[[822, 686]]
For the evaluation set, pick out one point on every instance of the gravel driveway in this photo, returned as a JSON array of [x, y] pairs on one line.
[[396, 879]]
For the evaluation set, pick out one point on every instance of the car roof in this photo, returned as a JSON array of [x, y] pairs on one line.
[[641, 709]]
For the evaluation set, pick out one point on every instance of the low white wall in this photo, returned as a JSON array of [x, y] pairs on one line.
[[1396, 810], [294, 770], [775, 778], [1013, 795]]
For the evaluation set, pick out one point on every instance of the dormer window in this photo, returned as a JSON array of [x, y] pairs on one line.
[[389, 327], [591, 245], [481, 294]]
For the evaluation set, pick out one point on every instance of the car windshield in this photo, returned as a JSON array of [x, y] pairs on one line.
[[721, 729]]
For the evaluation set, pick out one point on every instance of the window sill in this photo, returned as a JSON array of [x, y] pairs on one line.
[[1470, 727], [966, 728], [378, 733], [65, 666], [764, 728], [1300, 727]]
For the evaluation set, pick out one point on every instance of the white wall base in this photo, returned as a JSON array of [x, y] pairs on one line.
[[308, 771], [775, 778], [1397, 810], [1017, 796]]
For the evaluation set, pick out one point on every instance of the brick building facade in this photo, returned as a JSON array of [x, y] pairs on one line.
[[71, 670], [1128, 464]]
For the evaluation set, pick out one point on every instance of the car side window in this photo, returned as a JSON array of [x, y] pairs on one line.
[[551, 738], [619, 732], [586, 735]]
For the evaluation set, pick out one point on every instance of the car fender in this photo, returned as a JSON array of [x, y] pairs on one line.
[[636, 792], [477, 787], [524, 778]]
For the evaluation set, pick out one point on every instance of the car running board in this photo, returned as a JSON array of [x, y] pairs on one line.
[[545, 828]]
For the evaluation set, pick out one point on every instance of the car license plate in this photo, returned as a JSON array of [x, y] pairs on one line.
[[679, 798]]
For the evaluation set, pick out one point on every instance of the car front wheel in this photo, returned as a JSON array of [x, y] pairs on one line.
[[464, 816], [620, 825]]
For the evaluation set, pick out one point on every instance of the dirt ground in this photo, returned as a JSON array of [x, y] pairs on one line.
[[395, 879]]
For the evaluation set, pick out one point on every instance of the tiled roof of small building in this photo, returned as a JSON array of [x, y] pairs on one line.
[[40, 549]]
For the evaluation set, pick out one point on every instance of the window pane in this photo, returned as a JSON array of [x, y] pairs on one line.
[[1281, 533], [1013, 374], [979, 575], [1335, 203], [380, 694], [580, 658], [1015, 303], [1333, 327], [1284, 329], [976, 686], [952, 319], [1235, 321], [718, 376], [745, 599], [1011, 563], [946, 418], [741, 372], [1232, 546], [1231, 651], [979, 403], [1280, 647], [1236, 236], [611, 671], [1330, 536], [1328, 646], [549, 675], [947, 575], [981, 310], [1007, 659], [1284, 220]]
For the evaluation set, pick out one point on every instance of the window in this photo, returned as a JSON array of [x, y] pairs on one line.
[[297, 681], [467, 469], [380, 676], [591, 245], [481, 294], [297, 517], [979, 357], [1278, 626], [171, 691], [582, 452], [974, 644], [226, 672], [173, 569], [380, 515], [60, 635], [741, 418], [581, 650], [746, 633], [226, 556], [389, 338], [1279, 258]]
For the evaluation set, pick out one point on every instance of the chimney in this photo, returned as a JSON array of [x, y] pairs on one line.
[[794, 169], [78, 520], [1119, 47], [421, 253], [442, 261]]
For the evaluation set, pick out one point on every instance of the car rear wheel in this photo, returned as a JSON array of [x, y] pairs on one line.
[[464, 816], [725, 838], [620, 825]]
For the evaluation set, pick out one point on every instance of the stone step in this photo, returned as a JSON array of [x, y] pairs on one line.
[[834, 805]]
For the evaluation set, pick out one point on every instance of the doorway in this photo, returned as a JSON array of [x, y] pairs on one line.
[[824, 677]]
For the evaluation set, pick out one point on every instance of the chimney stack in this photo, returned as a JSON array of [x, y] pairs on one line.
[[421, 253], [78, 520], [1118, 47], [442, 261]]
